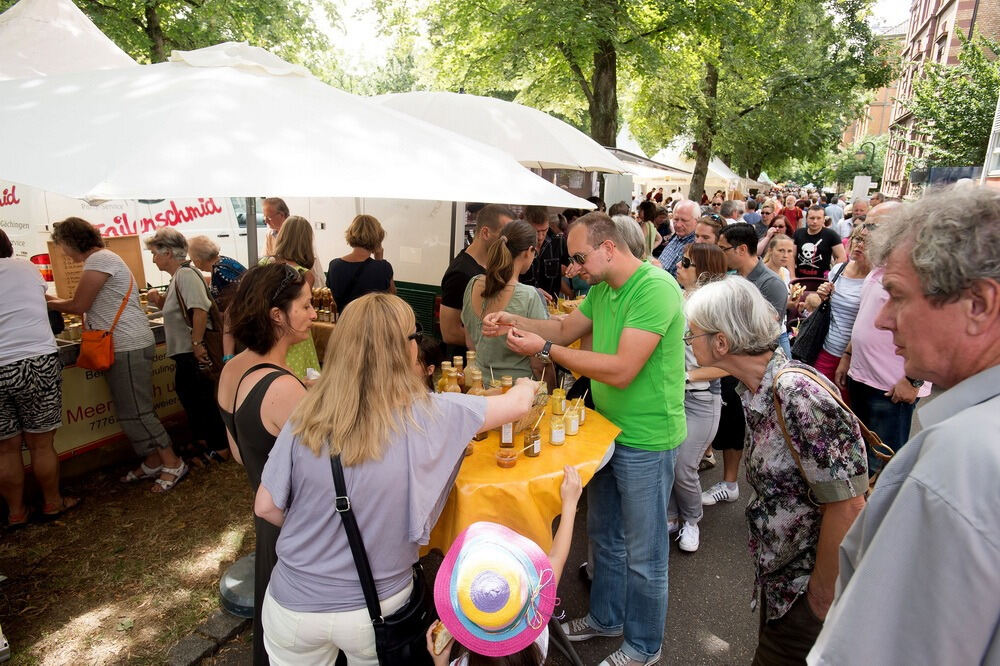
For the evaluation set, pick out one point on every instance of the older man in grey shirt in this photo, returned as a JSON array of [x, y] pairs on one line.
[[920, 568]]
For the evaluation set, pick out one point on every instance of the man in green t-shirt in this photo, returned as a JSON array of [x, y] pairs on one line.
[[636, 368]]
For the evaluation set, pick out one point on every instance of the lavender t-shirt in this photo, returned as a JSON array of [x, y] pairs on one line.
[[396, 501]]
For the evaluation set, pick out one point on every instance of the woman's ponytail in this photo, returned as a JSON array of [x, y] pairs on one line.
[[499, 266]]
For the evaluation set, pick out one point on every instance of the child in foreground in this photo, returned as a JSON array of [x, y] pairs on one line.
[[496, 590]]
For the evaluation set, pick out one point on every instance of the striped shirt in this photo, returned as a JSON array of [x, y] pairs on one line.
[[132, 331], [844, 304]]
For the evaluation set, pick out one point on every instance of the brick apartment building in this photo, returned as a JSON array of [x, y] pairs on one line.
[[878, 113], [930, 37]]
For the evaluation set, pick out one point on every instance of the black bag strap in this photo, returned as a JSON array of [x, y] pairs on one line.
[[342, 505], [825, 305], [214, 315]]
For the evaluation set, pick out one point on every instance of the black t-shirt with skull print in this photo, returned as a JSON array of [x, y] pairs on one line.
[[814, 253]]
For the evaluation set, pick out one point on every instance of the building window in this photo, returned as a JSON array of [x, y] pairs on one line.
[[994, 165]]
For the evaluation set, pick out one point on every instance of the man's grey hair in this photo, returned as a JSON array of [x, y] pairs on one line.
[[728, 208], [734, 307], [630, 232], [169, 240], [952, 237]]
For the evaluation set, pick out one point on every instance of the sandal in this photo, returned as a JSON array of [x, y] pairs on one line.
[[214, 456], [18, 522], [53, 511], [163, 485], [147, 473]]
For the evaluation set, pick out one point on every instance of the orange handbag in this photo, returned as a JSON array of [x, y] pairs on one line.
[[97, 347]]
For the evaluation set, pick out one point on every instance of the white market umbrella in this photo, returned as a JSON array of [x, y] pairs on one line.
[[43, 37], [532, 137], [235, 120]]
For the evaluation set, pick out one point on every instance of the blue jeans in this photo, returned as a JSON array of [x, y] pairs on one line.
[[890, 421], [785, 346], [627, 525]]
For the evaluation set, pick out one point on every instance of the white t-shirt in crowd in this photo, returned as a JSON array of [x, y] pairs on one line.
[[24, 320], [132, 331]]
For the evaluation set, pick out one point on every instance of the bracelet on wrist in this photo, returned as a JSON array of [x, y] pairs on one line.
[[197, 343], [227, 358]]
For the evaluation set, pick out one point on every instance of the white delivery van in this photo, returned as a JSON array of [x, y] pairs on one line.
[[27, 215]]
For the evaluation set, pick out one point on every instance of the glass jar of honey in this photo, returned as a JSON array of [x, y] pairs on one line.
[[451, 383], [458, 363], [506, 383], [557, 435], [532, 443], [572, 421]]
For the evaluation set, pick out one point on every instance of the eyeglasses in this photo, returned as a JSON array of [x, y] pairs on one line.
[[581, 257], [767, 212], [716, 205], [689, 336], [417, 335], [726, 248], [686, 262], [290, 274]]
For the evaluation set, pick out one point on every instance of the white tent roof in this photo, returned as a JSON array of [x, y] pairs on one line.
[[764, 178], [43, 37], [532, 137], [235, 120]]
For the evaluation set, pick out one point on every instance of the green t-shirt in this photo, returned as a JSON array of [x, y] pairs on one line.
[[650, 410]]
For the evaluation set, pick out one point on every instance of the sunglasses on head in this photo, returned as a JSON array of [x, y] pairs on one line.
[[715, 216], [290, 275], [418, 334]]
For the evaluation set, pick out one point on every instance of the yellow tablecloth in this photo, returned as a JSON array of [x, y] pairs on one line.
[[525, 497]]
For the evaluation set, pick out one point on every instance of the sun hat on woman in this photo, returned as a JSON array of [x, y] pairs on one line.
[[495, 590]]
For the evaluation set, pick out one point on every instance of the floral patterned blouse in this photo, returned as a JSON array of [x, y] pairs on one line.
[[784, 522]]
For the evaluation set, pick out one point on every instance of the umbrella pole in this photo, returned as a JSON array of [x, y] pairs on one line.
[[251, 217]]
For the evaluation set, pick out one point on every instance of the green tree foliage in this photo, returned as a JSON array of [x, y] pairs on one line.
[[149, 29], [562, 56], [759, 82], [836, 169], [953, 105]]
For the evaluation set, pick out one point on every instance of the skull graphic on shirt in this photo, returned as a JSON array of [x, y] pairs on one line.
[[809, 254]]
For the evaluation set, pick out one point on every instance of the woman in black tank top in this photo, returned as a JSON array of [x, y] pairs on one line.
[[271, 311]]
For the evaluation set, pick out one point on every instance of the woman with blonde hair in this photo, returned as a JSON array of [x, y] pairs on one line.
[[779, 256], [510, 255], [295, 248], [362, 270], [400, 448]]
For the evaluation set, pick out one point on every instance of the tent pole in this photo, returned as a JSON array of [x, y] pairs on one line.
[[251, 217]]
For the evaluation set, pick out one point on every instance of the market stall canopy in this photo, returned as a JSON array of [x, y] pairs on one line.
[[646, 169], [235, 120], [532, 137], [43, 37], [764, 178], [718, 175]]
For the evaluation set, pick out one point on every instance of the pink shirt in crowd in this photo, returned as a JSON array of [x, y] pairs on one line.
[[873, 355]]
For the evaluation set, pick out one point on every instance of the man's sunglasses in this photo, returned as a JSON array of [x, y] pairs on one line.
[[581, 257]]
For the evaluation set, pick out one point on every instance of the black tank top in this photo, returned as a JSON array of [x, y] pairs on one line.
[[252, 438]]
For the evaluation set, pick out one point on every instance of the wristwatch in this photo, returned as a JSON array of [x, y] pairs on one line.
[[544, 354], [915, 383]]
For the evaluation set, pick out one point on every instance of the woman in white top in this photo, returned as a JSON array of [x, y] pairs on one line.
[[701, 263], [780, 257], [30, 389], [845, 299], [105, 282]]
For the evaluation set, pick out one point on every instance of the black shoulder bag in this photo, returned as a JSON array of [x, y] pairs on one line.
[[400, 638], [812, 332]]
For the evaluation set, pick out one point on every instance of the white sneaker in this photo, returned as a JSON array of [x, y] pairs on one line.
[[688, 539], [720, 492]]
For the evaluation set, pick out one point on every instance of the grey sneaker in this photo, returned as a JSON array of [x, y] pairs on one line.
[[619, 658], [580, 630]]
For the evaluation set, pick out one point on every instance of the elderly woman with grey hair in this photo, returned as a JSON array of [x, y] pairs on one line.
[[226, 271], [185, 319], [809, 473]]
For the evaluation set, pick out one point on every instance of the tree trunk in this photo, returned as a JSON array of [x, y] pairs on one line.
[[705, 133], [755, 170], [604, 102], [157, 51]]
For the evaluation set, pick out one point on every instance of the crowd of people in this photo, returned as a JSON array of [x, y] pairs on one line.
[[688, 311]]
